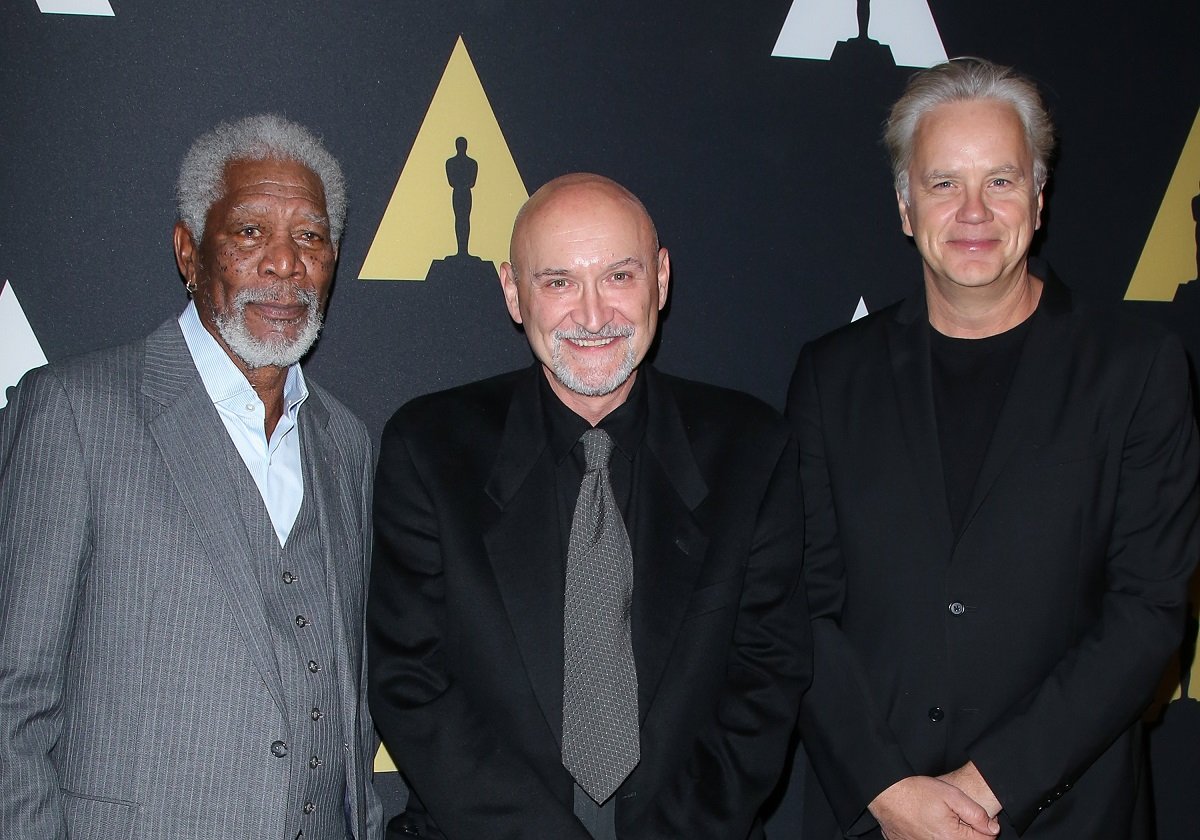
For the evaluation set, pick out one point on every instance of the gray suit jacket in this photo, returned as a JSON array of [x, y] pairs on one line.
[[139, 690]]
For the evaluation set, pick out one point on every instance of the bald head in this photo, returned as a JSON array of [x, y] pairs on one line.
[[570, 193], [586, 280]]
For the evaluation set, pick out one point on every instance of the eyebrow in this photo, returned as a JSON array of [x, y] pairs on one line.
[[628, 262], [1004, 169], [251, 209]]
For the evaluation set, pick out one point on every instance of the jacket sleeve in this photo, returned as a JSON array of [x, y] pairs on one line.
[[849, 743], [456, 763], [736, 759], [45, 548], [1034, 752]]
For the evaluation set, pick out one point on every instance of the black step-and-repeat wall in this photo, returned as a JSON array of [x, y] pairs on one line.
[[750, 130]]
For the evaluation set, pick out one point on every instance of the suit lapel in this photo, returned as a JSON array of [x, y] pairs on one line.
[[192, 441], [669, 548], [908, 345], [1033, 389], [343, 567], [524, 548]]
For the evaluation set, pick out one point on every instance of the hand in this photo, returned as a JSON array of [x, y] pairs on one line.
[[970, 781], [924, 808]]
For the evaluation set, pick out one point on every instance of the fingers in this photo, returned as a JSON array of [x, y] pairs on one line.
[[970, 812], [923, 807]]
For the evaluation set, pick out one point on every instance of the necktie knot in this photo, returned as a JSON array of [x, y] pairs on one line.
[[597, 449]]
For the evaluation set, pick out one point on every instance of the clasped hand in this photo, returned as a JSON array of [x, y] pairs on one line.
[[955, 806]]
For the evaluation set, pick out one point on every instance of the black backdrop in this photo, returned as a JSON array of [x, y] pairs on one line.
[[764, 174]]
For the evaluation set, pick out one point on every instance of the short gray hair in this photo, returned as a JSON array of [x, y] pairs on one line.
[[963, 80], [259, 137]]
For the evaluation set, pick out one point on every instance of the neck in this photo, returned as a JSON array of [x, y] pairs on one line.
[[984, 311], [591, 409], [268, 383]]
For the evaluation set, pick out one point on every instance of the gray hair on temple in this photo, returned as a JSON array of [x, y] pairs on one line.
[[963, 80]]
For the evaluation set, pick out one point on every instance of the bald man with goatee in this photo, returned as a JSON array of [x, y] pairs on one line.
[[585, 617]]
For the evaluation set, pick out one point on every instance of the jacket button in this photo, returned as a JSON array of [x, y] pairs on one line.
[[309, 807], [288, 577], [301, 621], [314, 762], [313, 667], [957, 609], [316, 714], [936, 714], [278, 749]]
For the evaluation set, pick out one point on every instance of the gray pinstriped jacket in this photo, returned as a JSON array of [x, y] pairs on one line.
[[139, 692]]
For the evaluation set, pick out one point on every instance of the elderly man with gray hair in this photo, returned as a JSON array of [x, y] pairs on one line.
[[1000, 506], [185, 541]]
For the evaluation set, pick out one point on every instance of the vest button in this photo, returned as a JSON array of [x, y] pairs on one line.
[[936, 714], [288, 577], [278, 749], [957, 609]]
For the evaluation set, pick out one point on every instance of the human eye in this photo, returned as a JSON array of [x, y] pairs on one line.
[[556, 283], [310, 236], [248, 231]]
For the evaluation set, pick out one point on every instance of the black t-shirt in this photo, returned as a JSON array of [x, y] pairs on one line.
[[971, 378]]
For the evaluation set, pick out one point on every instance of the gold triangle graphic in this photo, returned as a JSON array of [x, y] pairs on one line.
[[383, 761], [1169, 257], [418, 225]]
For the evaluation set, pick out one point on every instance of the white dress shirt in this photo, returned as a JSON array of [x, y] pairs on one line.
[[275, 463]]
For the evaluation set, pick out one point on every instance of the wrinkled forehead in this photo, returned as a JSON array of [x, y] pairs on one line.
[[272, 176]]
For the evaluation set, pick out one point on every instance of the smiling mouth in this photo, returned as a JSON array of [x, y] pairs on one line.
[[592, 342]]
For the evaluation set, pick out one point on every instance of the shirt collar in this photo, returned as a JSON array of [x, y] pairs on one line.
[[222, 378], [626, 424]]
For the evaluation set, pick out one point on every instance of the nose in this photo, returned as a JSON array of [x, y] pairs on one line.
[[281, 258], [593, 311], [974, 208]]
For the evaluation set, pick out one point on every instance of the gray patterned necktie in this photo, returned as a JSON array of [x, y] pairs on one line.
[[600, 714]]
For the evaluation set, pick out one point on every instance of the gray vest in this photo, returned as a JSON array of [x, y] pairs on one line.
[[300, 614]]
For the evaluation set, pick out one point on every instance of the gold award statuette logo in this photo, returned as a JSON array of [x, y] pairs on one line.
[[452, 211], [1171, 257]]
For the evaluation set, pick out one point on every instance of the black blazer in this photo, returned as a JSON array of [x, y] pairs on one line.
[[465, 614], [1032, 642]]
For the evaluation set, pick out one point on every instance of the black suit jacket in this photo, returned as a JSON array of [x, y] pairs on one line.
[[1032, 641], [466, 610]]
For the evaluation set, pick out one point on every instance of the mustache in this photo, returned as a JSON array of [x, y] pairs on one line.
[[607, 331], [275, 294]]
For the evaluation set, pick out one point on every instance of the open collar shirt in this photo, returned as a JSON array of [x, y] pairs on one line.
[[274, 464]]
